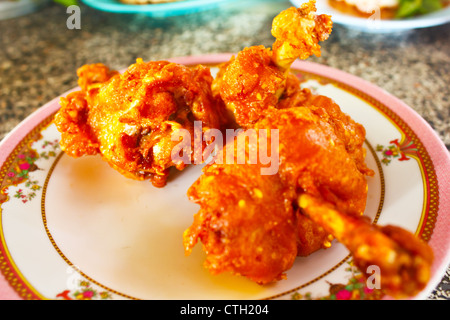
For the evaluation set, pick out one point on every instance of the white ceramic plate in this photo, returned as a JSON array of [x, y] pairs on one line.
[[374, 24], [77, 229]]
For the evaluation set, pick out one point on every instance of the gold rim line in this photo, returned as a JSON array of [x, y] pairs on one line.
[[44, 220], [424, 215], [382, 181]]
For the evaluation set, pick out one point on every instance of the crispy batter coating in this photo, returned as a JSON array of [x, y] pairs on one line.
[[129, 118], [298, 32], [351, 133], [245, 224], [310, 153], [249, 83], [315, 160], [257, 77], [403, 260]]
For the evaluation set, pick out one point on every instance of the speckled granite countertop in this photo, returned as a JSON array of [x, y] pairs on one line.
[[39, 56]]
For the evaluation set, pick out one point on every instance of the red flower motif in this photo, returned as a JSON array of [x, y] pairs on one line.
[[24, 166], [343, 295]]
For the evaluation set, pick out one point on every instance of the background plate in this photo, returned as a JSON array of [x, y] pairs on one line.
[[374, 25]]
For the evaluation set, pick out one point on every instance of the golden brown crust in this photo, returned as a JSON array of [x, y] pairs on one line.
[[245, 225], [129, 118], [249, 84], [237, 201], [298, 32], [402, 262]]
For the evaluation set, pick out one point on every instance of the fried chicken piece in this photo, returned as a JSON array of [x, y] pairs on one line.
[[249, 83], [248, 218], [298, 32], [245, 224], [326, 192], [314, 159], [129, 118], [351, 133], [257, 77], [403, 260]]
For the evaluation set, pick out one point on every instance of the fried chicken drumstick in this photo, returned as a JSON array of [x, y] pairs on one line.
[[248, 221], [403, 260], [129, 118]]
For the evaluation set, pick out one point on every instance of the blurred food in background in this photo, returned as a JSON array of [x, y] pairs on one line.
[[389, 9]]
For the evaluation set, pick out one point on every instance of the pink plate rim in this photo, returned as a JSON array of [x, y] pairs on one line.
[[440, 239]]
